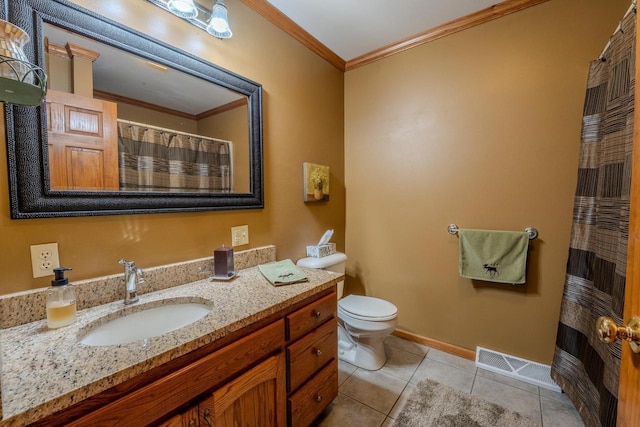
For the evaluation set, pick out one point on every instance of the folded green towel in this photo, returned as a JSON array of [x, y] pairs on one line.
[[495, 256], [282, 272]]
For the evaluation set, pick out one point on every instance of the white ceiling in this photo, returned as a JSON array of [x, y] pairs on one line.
[[351, 28]]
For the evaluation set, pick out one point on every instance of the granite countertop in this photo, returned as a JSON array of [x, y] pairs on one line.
[[45, 371]]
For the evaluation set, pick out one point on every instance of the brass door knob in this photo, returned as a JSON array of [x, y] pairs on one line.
[[608, 331]]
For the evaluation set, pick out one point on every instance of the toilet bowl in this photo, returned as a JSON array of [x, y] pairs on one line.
[[363, 322]]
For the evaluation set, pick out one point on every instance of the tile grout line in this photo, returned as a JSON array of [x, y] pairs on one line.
[[407, 382], [473, 383], [364, 404], [397, 399], [540, 404]]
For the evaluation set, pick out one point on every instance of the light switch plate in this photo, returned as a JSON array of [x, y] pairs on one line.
[[240, 235], [44, 258]]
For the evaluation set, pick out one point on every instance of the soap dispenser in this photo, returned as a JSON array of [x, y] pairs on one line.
[[61, 301]]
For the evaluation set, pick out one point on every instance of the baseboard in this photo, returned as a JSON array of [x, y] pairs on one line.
[[439, 345]]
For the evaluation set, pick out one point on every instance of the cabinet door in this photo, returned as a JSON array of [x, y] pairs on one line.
[[256, 398], [188, 418]]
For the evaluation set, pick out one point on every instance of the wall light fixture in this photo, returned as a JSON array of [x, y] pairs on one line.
[[215, 21], [183, 8]]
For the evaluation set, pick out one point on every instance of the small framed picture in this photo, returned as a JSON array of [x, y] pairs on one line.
[[316, 182]]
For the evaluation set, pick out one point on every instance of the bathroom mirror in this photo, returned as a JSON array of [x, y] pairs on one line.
[[228, 107]]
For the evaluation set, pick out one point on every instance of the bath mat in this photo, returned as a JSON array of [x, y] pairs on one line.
[[434, 404]]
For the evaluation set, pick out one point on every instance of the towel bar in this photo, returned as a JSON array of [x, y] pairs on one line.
[[533, 232]]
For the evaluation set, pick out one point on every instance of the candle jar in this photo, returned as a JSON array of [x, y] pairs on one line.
[[15, 65]]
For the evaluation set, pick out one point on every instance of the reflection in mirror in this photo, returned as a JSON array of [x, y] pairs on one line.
[[120, 122], [41, 182]]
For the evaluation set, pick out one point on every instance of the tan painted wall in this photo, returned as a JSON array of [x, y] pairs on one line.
[[481, 129], [303, 121], [139, 114], [58, 70], [71, 74]]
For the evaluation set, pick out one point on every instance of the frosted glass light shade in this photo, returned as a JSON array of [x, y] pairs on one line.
[[219, 23], [183, 8]]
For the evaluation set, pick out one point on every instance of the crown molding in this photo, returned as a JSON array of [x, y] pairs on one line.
[[107, 96], [55, 49], [221, 109], [70, 50], [78, 51], [282, 21], [463, 23]]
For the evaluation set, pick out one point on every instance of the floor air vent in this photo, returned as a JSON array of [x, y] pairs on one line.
[[514, 367]]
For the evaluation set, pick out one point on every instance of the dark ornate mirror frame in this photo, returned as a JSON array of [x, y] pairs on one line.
[[26, 127]]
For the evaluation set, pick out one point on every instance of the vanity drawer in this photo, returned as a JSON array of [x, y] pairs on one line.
[[309, 354], [309, 317], [308, 402]]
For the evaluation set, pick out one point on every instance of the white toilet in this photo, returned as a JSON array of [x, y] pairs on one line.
[[363, 322]]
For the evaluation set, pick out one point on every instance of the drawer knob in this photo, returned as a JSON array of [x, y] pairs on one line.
[[318, 352], [318, 398], [317, 314]]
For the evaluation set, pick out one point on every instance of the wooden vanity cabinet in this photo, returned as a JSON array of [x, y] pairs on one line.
[[221, 370], [285, 372], [312, 360], [189, 418]]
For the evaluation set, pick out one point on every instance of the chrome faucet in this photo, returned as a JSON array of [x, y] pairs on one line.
[[133, 276]]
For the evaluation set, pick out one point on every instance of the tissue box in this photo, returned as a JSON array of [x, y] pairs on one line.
[[318, 251]]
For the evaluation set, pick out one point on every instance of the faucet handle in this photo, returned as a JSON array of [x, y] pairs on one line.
[[140, 276], [126, 263]]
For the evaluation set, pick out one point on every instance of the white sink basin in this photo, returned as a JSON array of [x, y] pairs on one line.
[[147, 323]]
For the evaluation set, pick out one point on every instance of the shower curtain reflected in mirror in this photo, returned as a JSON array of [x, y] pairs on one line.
[[585, 368], [152, 159]]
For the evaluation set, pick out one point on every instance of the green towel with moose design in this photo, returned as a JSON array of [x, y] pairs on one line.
[[282, 272], [494, 256]]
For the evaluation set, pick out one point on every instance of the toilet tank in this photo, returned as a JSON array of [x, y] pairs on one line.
[[334, 262]]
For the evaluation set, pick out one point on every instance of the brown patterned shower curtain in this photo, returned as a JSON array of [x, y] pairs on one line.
[[152, 159], [586, 369]]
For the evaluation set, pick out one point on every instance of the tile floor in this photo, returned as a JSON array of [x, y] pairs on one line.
[[375, 398]]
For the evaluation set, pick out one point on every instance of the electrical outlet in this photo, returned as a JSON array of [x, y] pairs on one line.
[[240, 235], [44, 258]]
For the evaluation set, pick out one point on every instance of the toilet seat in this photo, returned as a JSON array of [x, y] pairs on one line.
[[367, 308]]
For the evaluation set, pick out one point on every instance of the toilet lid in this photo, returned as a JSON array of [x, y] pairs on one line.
[[368, 308]]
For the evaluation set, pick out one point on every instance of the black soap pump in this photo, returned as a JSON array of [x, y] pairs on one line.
[[61, 301]]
